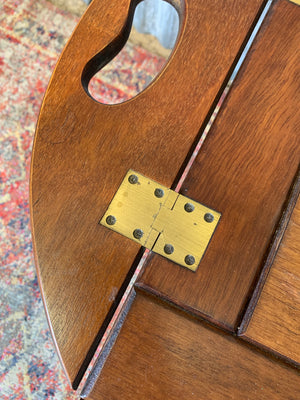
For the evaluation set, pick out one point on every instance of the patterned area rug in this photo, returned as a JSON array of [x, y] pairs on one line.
[[32, 35]]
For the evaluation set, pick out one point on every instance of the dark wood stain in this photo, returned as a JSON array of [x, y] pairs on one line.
[[275, 323], [83, 149], [280, 231], [244, 170], [162, 353]]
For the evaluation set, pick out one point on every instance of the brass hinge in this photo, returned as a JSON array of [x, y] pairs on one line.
[[161, 220]]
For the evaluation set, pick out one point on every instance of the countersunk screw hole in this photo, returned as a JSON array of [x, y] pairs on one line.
[[159, 193], [189, 207], [208, 217], [138, 233], [111, 220], [189, 259], [168, 249], [133, 179]]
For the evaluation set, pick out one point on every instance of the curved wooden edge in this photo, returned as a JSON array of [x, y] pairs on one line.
[[108, 40], [83, 149]]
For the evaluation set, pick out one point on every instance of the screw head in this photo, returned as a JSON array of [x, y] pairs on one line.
[[208, 217], [133, 179], [189, 207], [159, 193], [111, 220], [189, 259], [168, 249], [138, 233]]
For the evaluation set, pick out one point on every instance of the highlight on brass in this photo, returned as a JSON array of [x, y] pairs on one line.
[[161, 220]]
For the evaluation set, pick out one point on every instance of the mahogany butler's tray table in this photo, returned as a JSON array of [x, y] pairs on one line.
[[214, 313]]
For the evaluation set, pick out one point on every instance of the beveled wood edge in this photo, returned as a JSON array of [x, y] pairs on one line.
[[79, 376], [89, 356], [111, 339], [133, 296], [40, 286], [280, 229], [274, 353], [180, 306]]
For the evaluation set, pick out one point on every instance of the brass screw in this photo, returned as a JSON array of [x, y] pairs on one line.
[[189, 259], [168, 249], [208, 217], [159, 193], [133, 179], [189, 207], [111, 220], [138, 233]]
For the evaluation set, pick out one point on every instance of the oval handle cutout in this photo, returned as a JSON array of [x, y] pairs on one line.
[[124, 68]]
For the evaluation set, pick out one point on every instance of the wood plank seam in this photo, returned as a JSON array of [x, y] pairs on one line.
[[161, 275], [111, 339], [144, 256], [49, 135], [223, 89], [271, 253], [162, 354]]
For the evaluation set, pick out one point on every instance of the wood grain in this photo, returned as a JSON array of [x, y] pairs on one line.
[[163, 354], [275, 323], [83, 149], [244, 170]]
